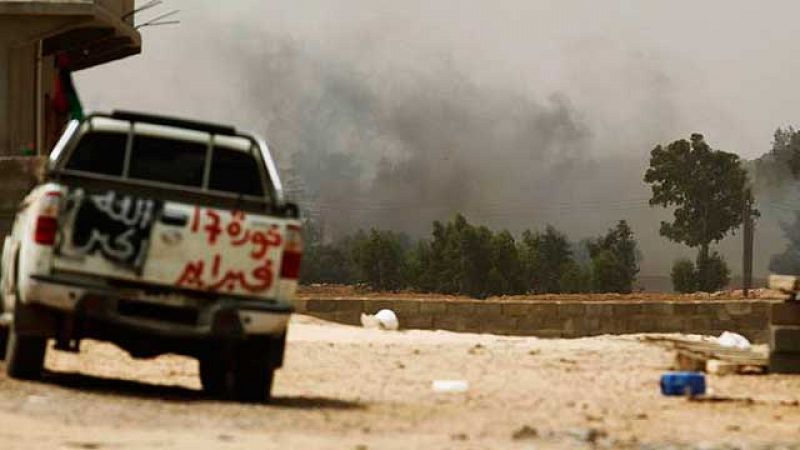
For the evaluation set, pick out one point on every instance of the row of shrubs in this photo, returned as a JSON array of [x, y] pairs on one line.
[[461, 258]]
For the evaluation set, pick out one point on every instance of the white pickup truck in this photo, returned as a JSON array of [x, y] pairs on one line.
[[159, 235]]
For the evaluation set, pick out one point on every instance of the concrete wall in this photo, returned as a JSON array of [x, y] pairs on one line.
[[3, 100], [17, 177], [118, 8], [22, 99], [557, 319]]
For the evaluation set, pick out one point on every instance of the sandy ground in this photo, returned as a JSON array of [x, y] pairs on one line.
[[350, 388]]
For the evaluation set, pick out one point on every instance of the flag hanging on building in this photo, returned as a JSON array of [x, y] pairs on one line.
[[65, 98]]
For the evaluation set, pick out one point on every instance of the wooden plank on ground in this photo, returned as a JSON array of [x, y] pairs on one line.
[[709, 356]]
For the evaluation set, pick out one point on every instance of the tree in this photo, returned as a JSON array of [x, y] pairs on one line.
[[545, 258], [707, 188], [475, 248], [614, 260], [446, 259], [458, 260], [707, 275], [684, 278], [505, 276], [381, 258], [773, 170], [419, 268], [787, 147], [712, 273], [576, 279], [773, 174]]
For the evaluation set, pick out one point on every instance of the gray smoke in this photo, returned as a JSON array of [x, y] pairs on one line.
[[394, 114]]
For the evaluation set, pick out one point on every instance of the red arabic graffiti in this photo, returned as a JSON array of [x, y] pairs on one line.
[[210, 276], [258, 279]]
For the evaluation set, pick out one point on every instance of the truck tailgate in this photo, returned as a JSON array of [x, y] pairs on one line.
[[170, 244]]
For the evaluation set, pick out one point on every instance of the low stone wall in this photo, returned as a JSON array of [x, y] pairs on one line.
[[556, 319]]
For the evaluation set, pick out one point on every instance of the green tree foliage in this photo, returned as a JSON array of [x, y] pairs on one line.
[[614, 260], [545, 258], [684, 279], [712, 272], [576, 279], [464, 259], [505, 275], [461, 258], [381, 259], [707, 189], [708, 274]]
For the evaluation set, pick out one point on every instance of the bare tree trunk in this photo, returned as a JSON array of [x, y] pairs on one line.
[[702, 267], [702, 255]]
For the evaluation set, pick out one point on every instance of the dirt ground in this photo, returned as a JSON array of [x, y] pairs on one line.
[[350, 388]]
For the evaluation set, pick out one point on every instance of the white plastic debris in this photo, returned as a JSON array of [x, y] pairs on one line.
[[385, 319], [733, 340], [450, 386]]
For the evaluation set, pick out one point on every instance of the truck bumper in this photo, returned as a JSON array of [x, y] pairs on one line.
[[180, 317]]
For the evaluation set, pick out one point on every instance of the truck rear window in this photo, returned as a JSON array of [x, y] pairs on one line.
[[170, 161], [99, 152], [235, 171]]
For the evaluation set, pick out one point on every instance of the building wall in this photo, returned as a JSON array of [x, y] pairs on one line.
[[17, 176], [118, 7], [22, 101], [3, 100]]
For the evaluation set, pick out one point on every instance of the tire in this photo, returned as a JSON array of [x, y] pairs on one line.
[[253, 382], [214, 375], [25, 355], [243, 373]]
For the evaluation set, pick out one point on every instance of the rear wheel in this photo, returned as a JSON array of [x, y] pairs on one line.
[[243, 372], [25, 355], [214, 374], [253, 381]]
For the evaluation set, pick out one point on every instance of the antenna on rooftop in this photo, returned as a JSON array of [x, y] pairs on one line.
[[159, 20], [148, 5]]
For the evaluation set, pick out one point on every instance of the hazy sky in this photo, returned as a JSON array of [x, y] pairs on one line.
[[727, 68], [550, 107]]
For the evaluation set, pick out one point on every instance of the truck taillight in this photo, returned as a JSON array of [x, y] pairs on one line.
[[292, 253], [45, 232], [46, 227]]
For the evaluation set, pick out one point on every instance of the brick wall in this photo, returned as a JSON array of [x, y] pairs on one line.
[[557, 319]]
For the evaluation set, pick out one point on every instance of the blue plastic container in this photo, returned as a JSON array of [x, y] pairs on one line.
[[683, 383]]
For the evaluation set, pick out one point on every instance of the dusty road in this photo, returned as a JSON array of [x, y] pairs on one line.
[[350, 388]]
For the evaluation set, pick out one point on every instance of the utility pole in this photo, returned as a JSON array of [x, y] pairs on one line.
[[747, 254]]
